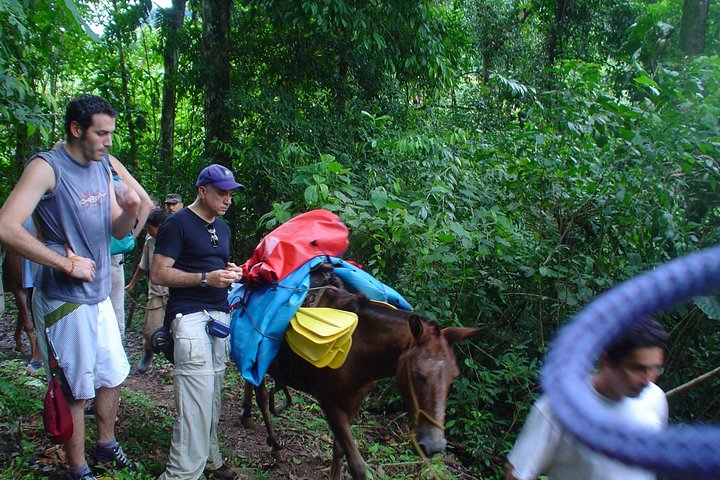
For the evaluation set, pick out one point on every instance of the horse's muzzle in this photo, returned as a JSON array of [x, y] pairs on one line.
[[431, 439]]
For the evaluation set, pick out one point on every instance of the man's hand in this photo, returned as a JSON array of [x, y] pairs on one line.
[[130, 287], [221, 278], [231, 267], [80, 267], [127, 198]]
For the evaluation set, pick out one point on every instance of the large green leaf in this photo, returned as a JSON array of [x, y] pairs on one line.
[[70, 4], [709, 305]]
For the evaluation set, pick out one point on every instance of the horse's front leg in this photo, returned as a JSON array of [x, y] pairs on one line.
[[337, 460], [23, 321], [344, 443], [262, 400], [248, 389], [18, 337], [29, 328]]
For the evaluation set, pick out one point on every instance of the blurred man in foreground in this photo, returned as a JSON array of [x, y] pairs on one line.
[[623, 382]]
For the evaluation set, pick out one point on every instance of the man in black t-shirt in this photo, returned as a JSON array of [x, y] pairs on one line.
[[192, 258]]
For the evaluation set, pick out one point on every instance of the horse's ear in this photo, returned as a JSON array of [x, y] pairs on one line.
[[458, 334], [416, 326]]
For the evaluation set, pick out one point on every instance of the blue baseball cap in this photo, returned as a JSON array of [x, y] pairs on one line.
[[218, 176]]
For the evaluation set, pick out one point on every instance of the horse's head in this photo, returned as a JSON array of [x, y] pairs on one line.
[[424, 374]]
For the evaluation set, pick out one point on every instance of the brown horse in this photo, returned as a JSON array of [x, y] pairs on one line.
[[387, 342], [13, 282]]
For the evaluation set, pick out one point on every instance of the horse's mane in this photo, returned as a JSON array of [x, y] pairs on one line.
[[339, 296]]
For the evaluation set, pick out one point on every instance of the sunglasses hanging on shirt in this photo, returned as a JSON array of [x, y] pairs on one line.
[[213, 236]]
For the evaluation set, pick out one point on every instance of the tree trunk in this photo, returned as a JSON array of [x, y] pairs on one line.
[[131, 162], [25, 146], [485, 67], [341, 88], [171, 55], [218, 116], [554, 42], [693, 26], [132, 134]]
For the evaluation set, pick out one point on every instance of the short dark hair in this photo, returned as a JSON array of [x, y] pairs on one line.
[[82, 109], [157, 216], [644, 333]]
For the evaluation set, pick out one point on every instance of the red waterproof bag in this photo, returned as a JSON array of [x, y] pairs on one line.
[[56, 412], [285, 249]]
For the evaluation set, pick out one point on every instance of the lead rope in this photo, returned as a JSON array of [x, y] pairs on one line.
[[416, 417]]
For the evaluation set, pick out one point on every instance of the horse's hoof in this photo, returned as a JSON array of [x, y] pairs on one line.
[[248, 422], [278, 456]]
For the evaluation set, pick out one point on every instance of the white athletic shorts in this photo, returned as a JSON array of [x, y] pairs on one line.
[[86, 341]]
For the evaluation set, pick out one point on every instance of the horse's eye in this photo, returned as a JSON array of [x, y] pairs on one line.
[[419, 377]]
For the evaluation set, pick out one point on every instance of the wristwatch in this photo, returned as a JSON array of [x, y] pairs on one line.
[[203, 280]]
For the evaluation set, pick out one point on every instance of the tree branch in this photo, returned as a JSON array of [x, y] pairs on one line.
[[702, 378]]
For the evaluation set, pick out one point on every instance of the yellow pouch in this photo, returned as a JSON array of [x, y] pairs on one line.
[[322, 336], [324, 323]]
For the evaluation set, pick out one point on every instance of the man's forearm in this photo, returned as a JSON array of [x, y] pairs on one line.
[[146, 206], [20, 240], [173, 277], [122, 225]]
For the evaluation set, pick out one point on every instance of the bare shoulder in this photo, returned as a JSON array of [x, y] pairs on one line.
[[37, 176], [117, 165], [37, 179]]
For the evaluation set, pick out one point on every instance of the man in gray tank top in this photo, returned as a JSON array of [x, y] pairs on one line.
[[71, 197]]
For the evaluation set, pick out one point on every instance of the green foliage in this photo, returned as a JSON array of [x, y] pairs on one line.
[[492, 185], [147, 423], [20, 401], [516, 228], [20, 395], [393, 462]]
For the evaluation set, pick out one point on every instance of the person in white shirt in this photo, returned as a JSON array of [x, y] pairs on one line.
[[624, 382], [157, 296]]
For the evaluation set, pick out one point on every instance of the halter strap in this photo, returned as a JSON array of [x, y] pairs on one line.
[[413, 396], [315, 294], [416, 416]]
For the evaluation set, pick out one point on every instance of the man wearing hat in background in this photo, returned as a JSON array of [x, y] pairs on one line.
[[173, 203], [191, 257]]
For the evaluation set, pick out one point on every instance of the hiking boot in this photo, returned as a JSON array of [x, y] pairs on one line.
[[114, 457], [34, 367], [145, 362], [222, 473]]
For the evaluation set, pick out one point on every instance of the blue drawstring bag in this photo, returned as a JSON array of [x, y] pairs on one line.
[[123, 245]]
